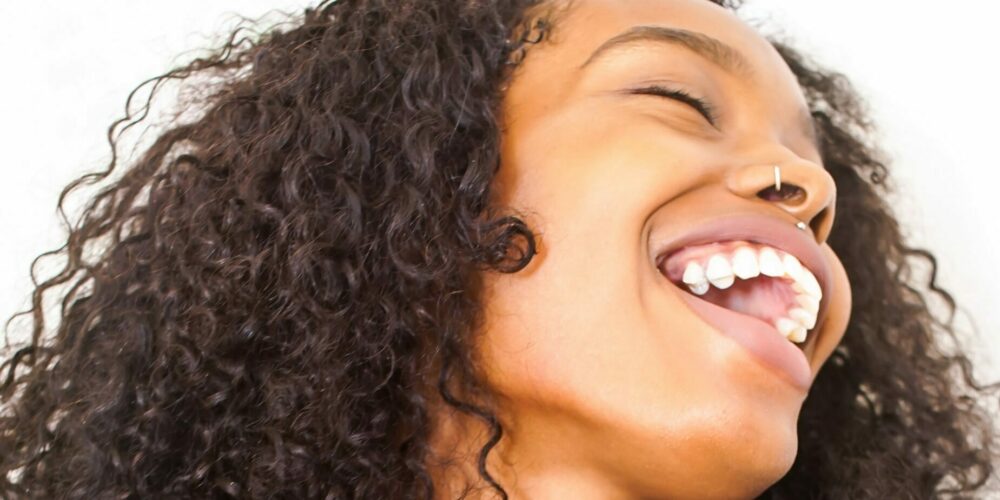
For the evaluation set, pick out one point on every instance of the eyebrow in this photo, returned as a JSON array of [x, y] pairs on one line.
[[712, 49]]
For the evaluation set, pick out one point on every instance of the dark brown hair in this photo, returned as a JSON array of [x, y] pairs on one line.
[[260, 303]]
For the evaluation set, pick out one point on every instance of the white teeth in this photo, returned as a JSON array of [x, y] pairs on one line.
[[792, 265], [804, 317], [693, 274], [745, 263], [808, 302], [719, 272], [798, 335], [790, 329], [785, 326], [770, 263], [805, 282], [694, 278]]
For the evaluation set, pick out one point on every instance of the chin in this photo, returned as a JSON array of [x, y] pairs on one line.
[[755, 456], [726, 452]]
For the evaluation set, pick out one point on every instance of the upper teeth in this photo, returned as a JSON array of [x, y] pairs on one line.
[[747, 262], [719, 272]]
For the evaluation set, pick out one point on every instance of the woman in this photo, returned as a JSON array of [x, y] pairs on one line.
[[429, 249]]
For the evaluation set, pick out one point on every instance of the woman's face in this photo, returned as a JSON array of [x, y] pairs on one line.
[[613, 377]]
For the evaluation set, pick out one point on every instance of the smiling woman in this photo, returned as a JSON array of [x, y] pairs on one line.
[[435, 249]]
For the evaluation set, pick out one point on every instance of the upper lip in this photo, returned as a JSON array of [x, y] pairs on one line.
[[768, 230]]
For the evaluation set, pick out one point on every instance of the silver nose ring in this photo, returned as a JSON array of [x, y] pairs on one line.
[[777, 186]]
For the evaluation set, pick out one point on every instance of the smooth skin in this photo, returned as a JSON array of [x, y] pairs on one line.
[[610, 386]]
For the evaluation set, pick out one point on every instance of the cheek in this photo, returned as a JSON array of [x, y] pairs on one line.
[[584, 345], [584, 324], [574, 322], [569, 159]]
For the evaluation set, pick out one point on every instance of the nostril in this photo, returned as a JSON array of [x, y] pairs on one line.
[[790, 193]]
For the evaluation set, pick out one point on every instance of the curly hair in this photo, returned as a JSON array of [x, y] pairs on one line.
[[260, 304]]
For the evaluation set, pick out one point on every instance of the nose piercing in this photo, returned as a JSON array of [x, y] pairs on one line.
[[777, 187]]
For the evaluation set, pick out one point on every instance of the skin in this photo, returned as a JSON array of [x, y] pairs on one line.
[[609, 385]]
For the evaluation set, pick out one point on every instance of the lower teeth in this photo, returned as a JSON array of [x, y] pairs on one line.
[[793, 324]]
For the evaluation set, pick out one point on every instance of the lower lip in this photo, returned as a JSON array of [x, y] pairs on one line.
[[759, 338]]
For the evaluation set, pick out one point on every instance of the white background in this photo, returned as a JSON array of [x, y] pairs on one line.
[[929, 72]]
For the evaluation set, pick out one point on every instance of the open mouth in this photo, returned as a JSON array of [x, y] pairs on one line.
[[752, 279]]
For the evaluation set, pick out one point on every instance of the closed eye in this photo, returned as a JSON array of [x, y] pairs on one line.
[[703, 106]]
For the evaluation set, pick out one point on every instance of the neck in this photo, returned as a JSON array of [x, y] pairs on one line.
[[527, 462]]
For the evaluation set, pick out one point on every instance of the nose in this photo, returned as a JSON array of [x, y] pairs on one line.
[[808, 192]]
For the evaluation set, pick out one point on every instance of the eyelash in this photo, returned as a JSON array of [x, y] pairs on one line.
[[703, 106]]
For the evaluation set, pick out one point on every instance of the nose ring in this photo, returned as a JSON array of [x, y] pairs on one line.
[[777, 187]]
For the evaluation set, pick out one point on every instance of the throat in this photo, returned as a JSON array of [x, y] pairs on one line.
[[763, 297]]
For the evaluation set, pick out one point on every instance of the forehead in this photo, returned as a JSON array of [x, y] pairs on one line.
[[604, 17], [586, 24], [581, 35]]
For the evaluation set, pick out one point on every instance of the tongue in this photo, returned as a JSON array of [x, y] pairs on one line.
[[762, 297]]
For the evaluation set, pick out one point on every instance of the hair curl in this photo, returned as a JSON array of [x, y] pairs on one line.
[[276, 284]]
